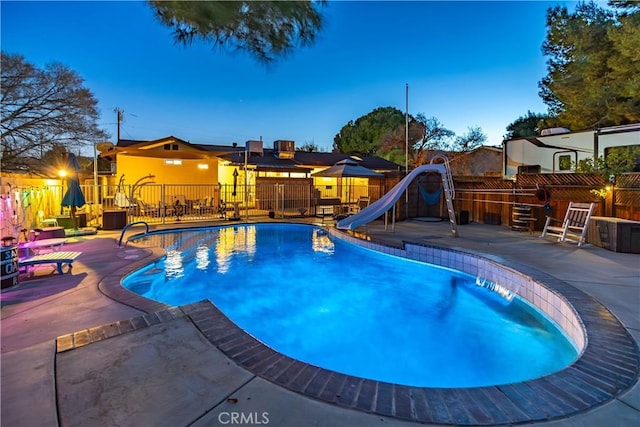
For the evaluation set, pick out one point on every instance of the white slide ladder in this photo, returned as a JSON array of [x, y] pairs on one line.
[[381, 206], [449, 192]]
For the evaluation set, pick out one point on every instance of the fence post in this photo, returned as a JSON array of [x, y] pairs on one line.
[[162, 205]]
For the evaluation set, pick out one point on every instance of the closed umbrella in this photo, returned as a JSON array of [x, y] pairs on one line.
[[73, 198], [235, 182]]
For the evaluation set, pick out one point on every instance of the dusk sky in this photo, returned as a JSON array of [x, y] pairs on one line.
[[466, 63]]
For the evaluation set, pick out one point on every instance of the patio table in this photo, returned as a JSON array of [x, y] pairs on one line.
[[38, 246]]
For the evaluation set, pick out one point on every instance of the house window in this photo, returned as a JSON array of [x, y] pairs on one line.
[[172, 162], [564, 162], [171, 147], [529, 169]]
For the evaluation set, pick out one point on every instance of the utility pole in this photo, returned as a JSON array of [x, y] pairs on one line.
[[119, 118], [406, 147]]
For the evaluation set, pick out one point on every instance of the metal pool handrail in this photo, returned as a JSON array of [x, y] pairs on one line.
[[146, 231]]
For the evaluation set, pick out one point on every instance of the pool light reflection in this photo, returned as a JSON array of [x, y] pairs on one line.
[[173, 264], [320, 242]]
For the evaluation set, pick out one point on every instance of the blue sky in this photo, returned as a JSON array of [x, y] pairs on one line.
[[467, 63]]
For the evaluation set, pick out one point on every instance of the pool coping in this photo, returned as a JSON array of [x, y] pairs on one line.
[[607, 367]]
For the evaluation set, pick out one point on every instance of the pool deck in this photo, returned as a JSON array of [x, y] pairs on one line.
[[77, 350]]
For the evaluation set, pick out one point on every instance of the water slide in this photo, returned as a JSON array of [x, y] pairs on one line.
[[386, 202]]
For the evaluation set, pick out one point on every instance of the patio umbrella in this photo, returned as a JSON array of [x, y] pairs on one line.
[[347, 168], [73, 198]]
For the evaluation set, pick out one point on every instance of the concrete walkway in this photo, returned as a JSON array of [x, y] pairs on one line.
[[119, 365]]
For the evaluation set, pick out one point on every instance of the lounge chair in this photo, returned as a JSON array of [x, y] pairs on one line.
[[147, 209], [202, 207], [574, 226], [166, 209], [58, 258], [362, 203]]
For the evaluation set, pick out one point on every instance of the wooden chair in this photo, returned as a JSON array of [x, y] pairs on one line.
[[574, 226]]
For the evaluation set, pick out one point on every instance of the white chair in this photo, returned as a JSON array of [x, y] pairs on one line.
[[49, 222], [574, 226], [362, 203]]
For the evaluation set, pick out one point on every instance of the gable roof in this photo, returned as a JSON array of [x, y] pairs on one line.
[[158, 148]]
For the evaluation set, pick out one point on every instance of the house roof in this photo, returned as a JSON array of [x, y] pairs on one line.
[[304, 160], [141, 148], [268, 160], [456, 155]]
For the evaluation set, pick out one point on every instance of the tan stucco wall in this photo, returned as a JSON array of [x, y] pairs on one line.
[[134, 168]]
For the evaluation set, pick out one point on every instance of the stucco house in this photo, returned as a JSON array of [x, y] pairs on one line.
[[246, 174], [173, 160]]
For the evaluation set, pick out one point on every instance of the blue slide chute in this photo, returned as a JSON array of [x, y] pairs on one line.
[[386, 202]]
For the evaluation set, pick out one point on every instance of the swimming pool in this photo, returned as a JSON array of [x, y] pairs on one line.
[[352, 310]]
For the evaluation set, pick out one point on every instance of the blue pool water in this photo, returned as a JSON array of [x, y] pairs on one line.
[[349, 309]]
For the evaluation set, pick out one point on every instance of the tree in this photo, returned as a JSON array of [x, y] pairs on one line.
[[434, 137], [472, 139], [527, 125], [309, 147], [265, 29], [366, 134], [618, 160], [393, 145], [592, 74], [41, 110], [625, 65], [425, 135]]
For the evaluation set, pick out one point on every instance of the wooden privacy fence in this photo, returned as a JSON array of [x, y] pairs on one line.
[[492, 200], [626, 197]]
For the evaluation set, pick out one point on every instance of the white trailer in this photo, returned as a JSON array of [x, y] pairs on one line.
[[558, 150]]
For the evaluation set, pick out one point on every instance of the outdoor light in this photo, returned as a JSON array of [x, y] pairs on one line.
[[62, 173], [608, 188]]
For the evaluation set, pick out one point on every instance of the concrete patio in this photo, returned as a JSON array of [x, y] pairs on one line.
[[77, 352]]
